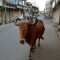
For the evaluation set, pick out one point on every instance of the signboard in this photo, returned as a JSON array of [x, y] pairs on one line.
[[11, 1], [7, 0], [18, 6], [9, 6]]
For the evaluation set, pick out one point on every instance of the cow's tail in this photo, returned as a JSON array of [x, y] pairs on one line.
[[16, 22], [42, 38]]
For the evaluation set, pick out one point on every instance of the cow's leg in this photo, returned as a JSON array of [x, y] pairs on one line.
[[39, 42], [31, 50], [30, 53], [34, 46]]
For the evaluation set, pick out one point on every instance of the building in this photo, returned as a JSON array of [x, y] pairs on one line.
[[20, 7], [56, 11], [9, 7], [10, 10], [27, 10], [34, 10], [30, 10], [48, 9]]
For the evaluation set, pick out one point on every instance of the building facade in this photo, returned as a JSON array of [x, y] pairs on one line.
[[30, 9], [10, 10], [34, 10], [48, 9], [56, 11]]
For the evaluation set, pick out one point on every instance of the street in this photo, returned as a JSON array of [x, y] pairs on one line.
[[11, 49]]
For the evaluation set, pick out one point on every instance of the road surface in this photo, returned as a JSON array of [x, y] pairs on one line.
[[11, 49]]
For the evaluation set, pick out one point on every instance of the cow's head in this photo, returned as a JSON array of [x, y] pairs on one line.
[[25, 30]]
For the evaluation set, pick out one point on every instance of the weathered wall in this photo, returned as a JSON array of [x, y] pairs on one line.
[[56, 15]]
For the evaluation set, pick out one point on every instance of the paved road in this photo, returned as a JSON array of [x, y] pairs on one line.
[[11, 49]]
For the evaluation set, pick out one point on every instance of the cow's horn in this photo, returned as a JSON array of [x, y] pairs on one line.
[[36, 20], [16, 22]]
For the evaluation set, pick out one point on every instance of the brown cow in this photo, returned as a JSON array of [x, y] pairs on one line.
[[30, 32]]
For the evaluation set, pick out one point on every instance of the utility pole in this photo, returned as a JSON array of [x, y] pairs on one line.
[[2, 11], [5, 11], [1, 16]]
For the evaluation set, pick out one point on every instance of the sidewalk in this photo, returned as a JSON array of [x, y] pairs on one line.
[[57, 28], [5, 26], [58, 31]]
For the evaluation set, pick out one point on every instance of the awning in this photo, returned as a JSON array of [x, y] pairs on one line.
[[10, 6], [20, 6]]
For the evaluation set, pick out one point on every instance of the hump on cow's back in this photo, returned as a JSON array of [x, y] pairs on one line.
[[40, 21]]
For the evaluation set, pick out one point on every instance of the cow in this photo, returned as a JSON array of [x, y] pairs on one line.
[[29, 32]]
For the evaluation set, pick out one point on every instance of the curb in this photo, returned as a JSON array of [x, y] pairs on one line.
[[57, 29]]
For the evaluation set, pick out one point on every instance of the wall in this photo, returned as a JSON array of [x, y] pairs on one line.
[[0, 16], [56, 15]]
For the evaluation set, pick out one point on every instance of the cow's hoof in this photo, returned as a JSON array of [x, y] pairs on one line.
[[29, 59]]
